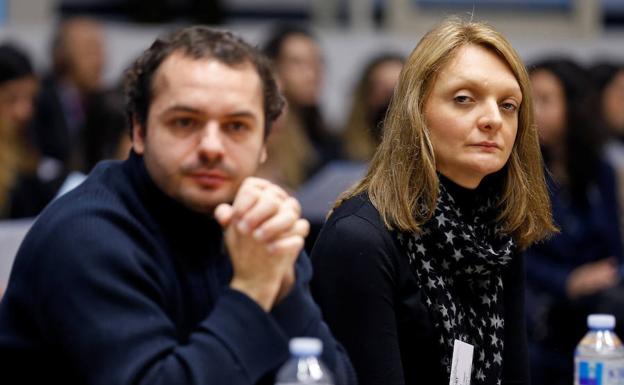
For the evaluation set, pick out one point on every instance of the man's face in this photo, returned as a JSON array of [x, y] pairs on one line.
[[205, 130]]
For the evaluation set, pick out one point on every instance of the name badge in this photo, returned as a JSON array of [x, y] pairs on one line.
[[462, 363]]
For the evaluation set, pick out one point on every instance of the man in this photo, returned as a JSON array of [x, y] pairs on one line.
[[129, 279]]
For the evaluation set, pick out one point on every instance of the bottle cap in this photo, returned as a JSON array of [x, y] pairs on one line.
[[601, 321], [305, 346]]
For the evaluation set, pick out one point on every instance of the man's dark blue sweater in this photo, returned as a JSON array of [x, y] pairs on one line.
[[116, 283]]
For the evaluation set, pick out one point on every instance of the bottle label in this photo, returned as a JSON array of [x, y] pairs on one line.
[[600, 373]]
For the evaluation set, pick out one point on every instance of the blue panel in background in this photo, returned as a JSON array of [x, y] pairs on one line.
[[537, 5], [3, 12]]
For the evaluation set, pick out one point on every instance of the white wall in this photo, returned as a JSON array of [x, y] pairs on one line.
[[346, 51]]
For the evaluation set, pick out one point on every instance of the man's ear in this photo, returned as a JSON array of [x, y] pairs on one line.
[[138, 137]]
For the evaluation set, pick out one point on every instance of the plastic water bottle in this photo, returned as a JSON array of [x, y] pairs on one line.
[[304, 365], [599, 357]]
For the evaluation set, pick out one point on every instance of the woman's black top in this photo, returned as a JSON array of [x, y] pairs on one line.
[[373, 303]]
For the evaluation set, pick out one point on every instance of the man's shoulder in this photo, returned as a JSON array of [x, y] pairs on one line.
[[97, 209]]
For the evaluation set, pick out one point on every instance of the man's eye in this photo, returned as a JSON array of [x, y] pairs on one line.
[[235, 126], [183, 122], [462, 99]]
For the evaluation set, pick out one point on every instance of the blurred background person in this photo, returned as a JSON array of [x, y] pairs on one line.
[[69, 92], [567, 273], [106, 134], [608, 79], [18, 87], [371, 98], [303, 143]]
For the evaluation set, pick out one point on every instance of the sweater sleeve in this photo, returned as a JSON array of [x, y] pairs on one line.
[[99, 301], [354, 286], [516, 355]]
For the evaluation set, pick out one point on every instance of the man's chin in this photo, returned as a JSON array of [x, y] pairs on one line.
[[206, 202]]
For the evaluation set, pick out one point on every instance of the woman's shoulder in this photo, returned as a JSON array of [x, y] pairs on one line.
[[357, 209], [356, 224]]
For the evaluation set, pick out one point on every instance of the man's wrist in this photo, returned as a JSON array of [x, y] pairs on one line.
[[264, 295]]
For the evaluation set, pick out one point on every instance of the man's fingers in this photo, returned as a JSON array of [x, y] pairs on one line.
[[251, 190], [281, 226], [269, 203], [288, 246], [223, 214]]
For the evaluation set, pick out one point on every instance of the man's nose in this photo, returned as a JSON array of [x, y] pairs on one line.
[[211, 143]]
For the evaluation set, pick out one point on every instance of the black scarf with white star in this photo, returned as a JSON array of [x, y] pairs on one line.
[[458, 259]]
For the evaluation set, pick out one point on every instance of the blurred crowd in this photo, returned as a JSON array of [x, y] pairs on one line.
[[55, 127]]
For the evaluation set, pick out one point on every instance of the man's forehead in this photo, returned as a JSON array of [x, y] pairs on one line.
[[206, 85], [169, 69]]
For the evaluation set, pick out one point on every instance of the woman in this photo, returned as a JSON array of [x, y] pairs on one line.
[[425, 249], [302, 143], [18, 156], [573, 273], [608, 79], [370, 102]]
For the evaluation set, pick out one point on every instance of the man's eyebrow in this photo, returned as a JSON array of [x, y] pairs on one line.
[[181, 108], [241, 114], [196, 111]]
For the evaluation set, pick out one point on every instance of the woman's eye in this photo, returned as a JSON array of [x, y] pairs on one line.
[[509, 106], [462, 99]]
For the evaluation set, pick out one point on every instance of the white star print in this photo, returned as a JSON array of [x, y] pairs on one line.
[[420, 248], [498, 359], [496, 322], [457, 255], [494, 339], [441, 220], [431, 283], [449, 237], [427, 266]]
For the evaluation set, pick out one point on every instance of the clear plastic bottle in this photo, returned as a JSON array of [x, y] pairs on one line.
[[599, 357], [304, 365]]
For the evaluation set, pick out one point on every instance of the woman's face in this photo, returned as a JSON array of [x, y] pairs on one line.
[[550, 107], [472, 115]]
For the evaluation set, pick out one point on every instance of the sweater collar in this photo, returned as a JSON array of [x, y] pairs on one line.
[[169, 214]]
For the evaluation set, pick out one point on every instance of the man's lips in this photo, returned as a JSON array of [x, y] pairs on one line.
[[209, 178]]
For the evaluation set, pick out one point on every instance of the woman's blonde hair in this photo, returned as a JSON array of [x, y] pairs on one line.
[[402, 182]]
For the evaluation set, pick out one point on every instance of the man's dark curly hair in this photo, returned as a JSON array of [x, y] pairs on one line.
[[198, 42]]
